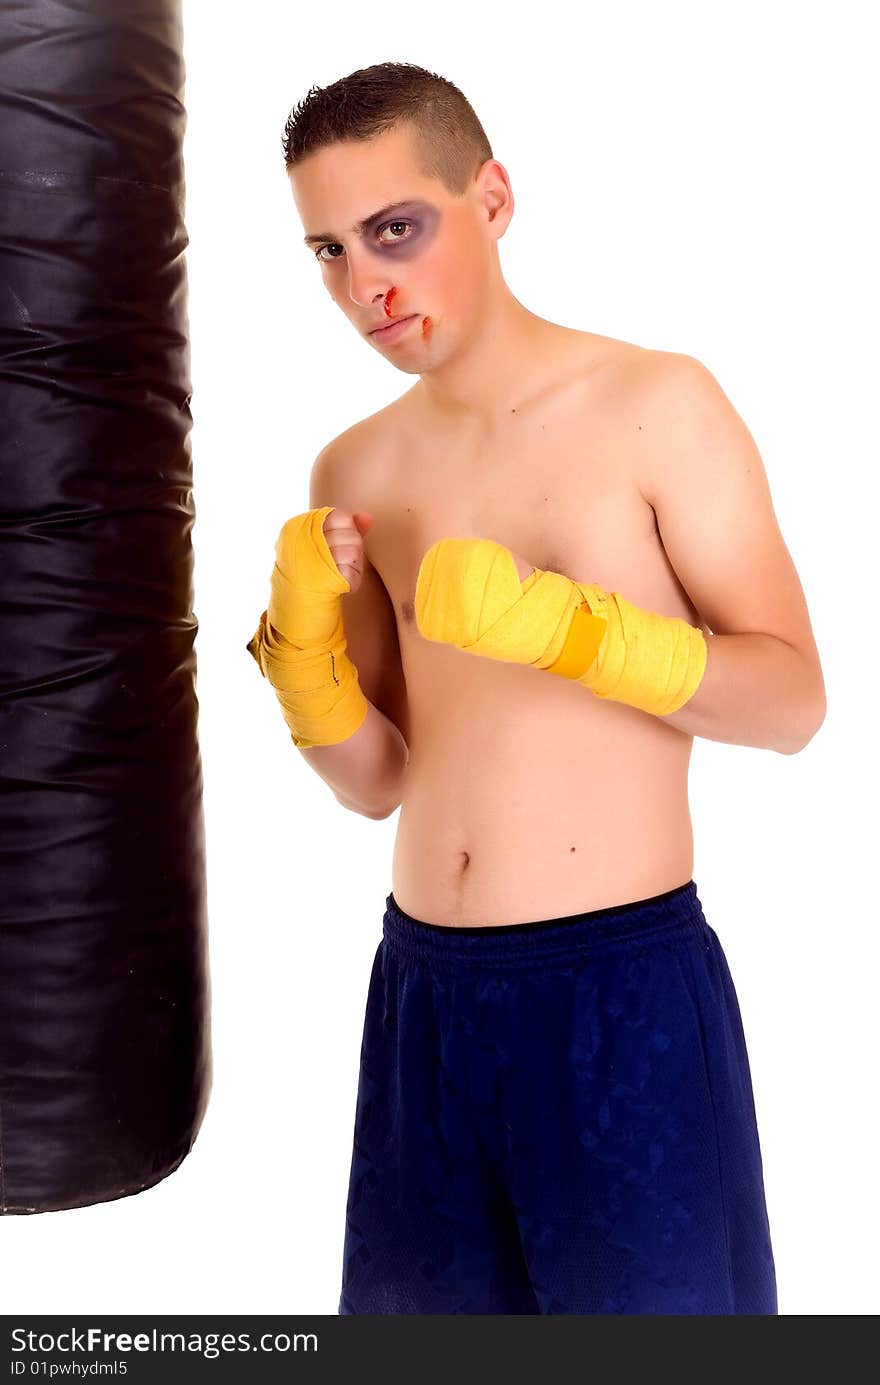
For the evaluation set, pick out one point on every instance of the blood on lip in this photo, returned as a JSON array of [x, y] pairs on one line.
[[427, 324], [388, 297]]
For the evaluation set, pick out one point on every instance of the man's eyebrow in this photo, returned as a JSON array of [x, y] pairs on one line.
[[361, 226]]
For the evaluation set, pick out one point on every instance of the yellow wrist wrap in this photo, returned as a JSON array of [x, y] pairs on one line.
[[300, 641], [468, 594]]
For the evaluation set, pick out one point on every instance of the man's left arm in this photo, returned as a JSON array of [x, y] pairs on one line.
[[704, 477]]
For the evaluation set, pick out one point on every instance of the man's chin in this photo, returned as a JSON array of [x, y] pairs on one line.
[[407, 356]]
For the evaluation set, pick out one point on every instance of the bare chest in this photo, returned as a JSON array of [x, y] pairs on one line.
[[563, 495]]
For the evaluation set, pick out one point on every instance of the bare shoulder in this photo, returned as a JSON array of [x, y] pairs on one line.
[[670, 379], [681, 417], [666, 387], [623, 362], [630, 371], [347, 470]]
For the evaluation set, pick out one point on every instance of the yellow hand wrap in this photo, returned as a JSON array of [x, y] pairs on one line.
[[300, 641], [468, 594]]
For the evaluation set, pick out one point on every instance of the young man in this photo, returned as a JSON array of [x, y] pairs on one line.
[[521, 591]]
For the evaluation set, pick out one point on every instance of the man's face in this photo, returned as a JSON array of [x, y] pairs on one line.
[[393, 244]]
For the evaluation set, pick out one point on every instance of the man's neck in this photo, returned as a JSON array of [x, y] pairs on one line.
[[494, 370]]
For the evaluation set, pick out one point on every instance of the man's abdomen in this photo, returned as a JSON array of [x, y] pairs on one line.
[[551, 809]]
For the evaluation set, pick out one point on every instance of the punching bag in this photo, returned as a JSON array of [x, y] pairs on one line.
[[104, 986]]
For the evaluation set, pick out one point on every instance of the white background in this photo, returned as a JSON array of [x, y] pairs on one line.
[[688, 176]]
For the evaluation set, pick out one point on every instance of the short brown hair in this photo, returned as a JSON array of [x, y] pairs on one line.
[[451, 143]]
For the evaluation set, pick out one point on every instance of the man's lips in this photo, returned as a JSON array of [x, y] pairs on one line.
[[390, 323]]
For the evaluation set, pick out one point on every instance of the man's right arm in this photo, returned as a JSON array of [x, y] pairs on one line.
[[365, 771]]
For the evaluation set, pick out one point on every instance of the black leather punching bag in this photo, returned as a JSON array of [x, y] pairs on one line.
[[104, 987]]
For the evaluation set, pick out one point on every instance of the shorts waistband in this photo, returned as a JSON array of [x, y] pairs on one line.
[[542, 941]]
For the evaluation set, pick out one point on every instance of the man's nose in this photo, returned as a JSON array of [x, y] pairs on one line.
[[367, 283]]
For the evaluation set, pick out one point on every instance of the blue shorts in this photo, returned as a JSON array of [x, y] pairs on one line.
[[556, 1117]]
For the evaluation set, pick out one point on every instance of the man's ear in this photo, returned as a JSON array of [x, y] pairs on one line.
[[496, 195]]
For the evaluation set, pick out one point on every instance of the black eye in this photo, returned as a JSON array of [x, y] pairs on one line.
[[399, 229], [319, 254]]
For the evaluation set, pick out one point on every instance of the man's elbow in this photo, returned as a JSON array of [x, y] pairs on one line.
[[808, 731], [376, 814]]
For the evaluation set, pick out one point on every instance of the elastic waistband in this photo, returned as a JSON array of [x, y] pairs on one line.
[[542, 942]]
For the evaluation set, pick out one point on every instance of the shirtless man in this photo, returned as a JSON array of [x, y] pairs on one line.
[[554, 1108]]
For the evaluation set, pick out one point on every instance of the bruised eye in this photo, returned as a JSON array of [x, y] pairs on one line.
[[334, 245], [398, 231]]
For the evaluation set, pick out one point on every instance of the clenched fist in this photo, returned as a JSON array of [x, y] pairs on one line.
[[344, 533]]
